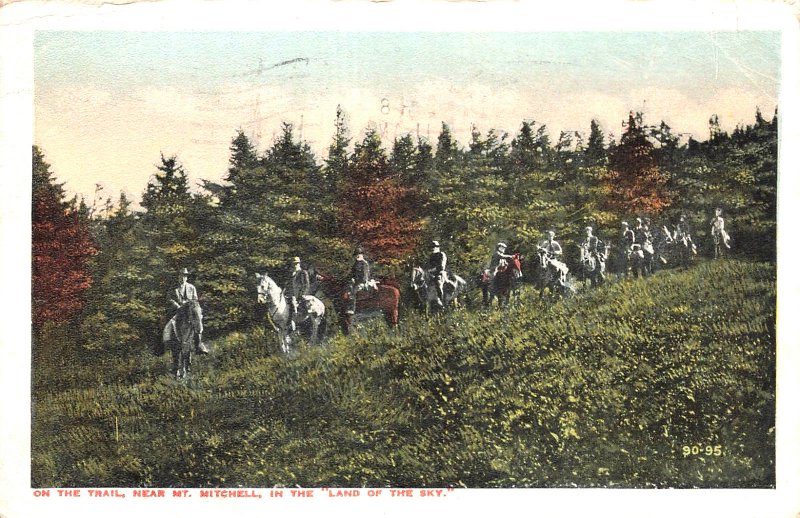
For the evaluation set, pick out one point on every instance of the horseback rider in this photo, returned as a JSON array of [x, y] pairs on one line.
[[627, 239], [551, 246], [179, 296], [683, 233], [499, 257], [359, 278], [641, 233], [437, 262], [592, 246], [299, 286], [718, 229]]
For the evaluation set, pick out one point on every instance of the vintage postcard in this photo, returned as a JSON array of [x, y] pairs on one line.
[[385, 258]]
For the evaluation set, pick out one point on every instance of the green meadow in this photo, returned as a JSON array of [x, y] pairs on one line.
[[667, 381]]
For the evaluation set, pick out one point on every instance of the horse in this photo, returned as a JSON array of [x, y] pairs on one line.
[[663, 247], [637, 261], [593, 266], [552, 274], [383, 300], [721, 242], [309, 309], [684, 248], [180, 334], [425, 288], [505, 283]]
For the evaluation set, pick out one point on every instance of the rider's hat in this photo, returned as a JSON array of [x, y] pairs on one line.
[[358, 251], [551, 231], [624, 223], [185, 271], [638, 220], [296, 260], [588, 228], [501, 245], [435, 243]]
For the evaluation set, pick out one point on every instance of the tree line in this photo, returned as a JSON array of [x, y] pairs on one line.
[[105, 271]]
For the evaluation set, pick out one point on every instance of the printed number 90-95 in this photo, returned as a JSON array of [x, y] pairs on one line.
[[716, 451]]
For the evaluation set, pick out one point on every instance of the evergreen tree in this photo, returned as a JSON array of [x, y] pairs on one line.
[[447, 152], [336, 169], [595, 152], [403, 158]]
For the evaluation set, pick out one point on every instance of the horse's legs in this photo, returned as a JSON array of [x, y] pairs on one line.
[[314, 328]]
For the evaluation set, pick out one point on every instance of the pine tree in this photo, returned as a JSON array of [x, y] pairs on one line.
[[336, 168], [403, 158], [595, 152]]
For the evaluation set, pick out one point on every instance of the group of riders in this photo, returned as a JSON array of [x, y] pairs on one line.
[[637, 239]]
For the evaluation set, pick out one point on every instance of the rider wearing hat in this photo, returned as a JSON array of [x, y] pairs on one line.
[[641, 232], [298, 288], [551, 245], [179, 296], [437, 262], [718, 228], [498, 258], [592, 245], [359, 278]]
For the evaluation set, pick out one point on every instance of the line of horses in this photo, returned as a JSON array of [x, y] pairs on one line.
[[382, 301]]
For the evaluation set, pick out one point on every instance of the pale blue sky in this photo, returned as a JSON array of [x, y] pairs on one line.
[[121, 98]]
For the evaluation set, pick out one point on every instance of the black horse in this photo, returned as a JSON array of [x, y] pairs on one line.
[[180, 339]]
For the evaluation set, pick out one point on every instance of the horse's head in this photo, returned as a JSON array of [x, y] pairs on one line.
[[417, 277], [194, 314], [516, 263], [543, 259], [197, 316], [267, 289]]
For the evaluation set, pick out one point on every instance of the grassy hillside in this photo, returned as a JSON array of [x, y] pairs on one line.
[[613, 387]]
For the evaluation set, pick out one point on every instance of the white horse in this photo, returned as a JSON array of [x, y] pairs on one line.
[[425, 288], [309, 308]]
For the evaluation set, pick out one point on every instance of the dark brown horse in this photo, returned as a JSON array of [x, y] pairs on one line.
[[506, 281], [385, 301]]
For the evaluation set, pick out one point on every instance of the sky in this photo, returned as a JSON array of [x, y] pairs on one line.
[[107, 104]]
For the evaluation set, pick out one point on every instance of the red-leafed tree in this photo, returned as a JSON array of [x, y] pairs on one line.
[[377, 211], [635, 183], [62, 247]]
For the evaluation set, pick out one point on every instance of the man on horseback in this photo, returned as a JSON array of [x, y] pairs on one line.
[[626, 242], [718, 232], [627, 239], [592, 247], [437, 262], [359, 278], [683, 234], [641, 233], [551, 246], [177, 298], [299, 286], [498, 259]]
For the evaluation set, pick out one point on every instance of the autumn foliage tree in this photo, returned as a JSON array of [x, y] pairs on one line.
[[635, 184], [62, 248], [377, 211]]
